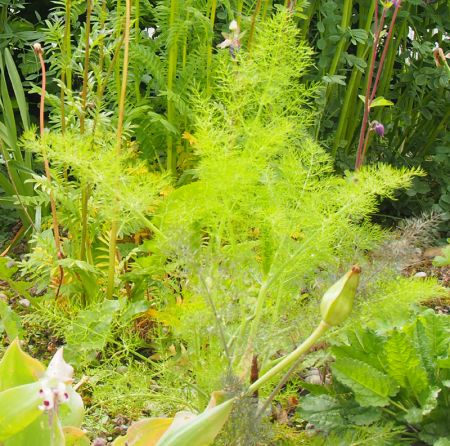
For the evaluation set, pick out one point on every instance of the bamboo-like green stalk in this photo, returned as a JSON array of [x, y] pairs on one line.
[[85, 187], [137, 28], [346, 21], [265, 9], [66, 72], [101, 45], [239, 8], [306, 22], [171, 74], [119, 32], [115, 224], [212, 20], [253, 24], [372, 88], [86, 65], [351, 92], [6, 159]]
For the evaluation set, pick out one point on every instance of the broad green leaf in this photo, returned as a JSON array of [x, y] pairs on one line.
[[430, 336], [199, 430], [17, 87], [323, 411], [75, 437], [377, 102], [90, 331], [370, 386], [42, 431], [147, 432], [71, 413], [18, 409], [18, 368], [10, 322], [364, 345]]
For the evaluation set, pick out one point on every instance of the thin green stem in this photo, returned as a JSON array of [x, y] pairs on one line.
[[137, 27], [265, 9], [212, 20], [123, 91], [171, 74], [290, 359], [86, 65], [343, 42], [85, 188], [66, 72], [240, 6], [351, 91], [253, 24]]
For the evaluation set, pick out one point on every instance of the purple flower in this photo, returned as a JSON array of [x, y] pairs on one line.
[[378, 128]]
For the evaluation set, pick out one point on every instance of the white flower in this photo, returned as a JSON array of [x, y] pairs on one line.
[[151, 32], [55, 383], [225, 44], [58, 369]]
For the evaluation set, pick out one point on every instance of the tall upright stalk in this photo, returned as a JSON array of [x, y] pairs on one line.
[[253, 24], [351, 92], [239, 9], [86, 65], [85, 187], [346, 22], [40, 53], [66, 72], [123, 91], [372, 84], [137, 28], [212, 19], [171, 74], [265, 9]]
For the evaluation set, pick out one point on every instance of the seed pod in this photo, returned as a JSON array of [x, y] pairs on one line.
[[337, 302]]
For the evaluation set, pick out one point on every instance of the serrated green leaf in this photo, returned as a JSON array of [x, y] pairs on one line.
[[324, 411], [364, 345], [370, 386], [429, 333], [404, 364]]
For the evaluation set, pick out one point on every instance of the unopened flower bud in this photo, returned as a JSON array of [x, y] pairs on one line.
[[337, 302], [38, 48], [378, 128], [233, 26]]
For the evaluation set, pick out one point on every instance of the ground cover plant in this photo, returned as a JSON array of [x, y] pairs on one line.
[[189, 242]]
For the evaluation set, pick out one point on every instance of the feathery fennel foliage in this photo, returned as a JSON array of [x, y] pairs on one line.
[[266, 218], [121, 188]]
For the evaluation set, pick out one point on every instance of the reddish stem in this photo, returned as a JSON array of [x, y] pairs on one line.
[[362, 144], [385, 49], [40, 53]]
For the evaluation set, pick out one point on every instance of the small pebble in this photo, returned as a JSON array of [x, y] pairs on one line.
[[3, 296], [99, 442], [420, 274], [25, 303], [122, 369]]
